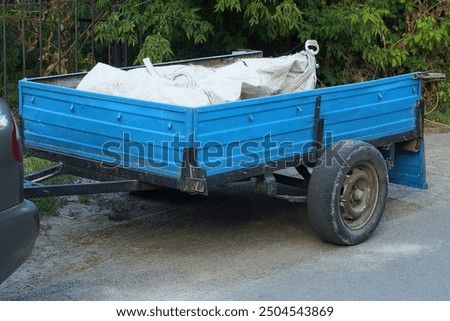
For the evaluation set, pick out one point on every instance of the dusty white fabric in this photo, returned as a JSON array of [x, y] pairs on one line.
[[195, 85]]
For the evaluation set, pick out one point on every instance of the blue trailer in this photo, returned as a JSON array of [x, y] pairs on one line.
[[345, 142]]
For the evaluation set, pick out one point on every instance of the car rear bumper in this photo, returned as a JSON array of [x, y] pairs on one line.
[[19, 228]]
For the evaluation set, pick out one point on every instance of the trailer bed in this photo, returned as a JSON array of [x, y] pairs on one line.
[[345, 142], [152, 138]]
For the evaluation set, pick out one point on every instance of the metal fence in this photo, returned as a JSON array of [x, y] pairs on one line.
[[42, 38]]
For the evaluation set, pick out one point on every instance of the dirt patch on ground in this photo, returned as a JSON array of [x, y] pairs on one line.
[[432, 127]]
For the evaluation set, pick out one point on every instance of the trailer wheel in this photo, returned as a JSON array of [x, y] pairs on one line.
[[347, 192]]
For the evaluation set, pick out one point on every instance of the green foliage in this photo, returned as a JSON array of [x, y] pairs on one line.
[[222, 5], [35, 46], [359, 39], [156, 47], [266, 19], [350, 36], [430, 33], [160, 23]]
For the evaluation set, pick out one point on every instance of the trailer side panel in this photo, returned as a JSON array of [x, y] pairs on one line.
[[117, 131]]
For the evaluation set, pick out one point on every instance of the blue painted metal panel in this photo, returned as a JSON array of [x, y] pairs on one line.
[[126, 132], [409, 168], [253, 132], [228, 137]]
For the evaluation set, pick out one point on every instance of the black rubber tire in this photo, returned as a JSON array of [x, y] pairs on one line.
[[349, 179]]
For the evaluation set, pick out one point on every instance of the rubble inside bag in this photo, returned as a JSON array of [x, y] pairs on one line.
[[196, 86]]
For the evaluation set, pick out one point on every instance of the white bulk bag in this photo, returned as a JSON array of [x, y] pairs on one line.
[[195, 86]]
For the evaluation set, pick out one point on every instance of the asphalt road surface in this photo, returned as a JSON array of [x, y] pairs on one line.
[[237, 245]]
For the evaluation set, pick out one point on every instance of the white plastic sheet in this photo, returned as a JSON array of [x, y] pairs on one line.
[[195, 86]]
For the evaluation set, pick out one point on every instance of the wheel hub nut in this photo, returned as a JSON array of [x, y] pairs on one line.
[[358, 194]]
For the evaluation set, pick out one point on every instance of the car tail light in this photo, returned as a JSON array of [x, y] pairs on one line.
[[16, 150]]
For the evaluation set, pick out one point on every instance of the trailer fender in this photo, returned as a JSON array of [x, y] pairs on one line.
[[409, 164]]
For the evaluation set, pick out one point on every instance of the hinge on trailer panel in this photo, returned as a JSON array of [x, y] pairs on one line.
[[193, 178], [318, 130], [420, 118], [413, 145]]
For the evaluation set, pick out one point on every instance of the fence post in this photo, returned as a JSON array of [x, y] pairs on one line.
[[92, 31], [5, 76], [76, 35], [40, 37], [58, 30], [24, 50]]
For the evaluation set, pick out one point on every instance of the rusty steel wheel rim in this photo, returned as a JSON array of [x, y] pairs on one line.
[[359, 195]]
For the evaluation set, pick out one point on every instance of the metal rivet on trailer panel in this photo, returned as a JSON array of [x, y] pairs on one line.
[[250, 118], [33, 99], [380, 96], [72, 107], [119, 116], [299, 110], [170, 125]]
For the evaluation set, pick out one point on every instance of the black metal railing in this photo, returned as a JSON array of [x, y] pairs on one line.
[[42, 38]]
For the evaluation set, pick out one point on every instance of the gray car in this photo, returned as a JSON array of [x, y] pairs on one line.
[[19, 218]]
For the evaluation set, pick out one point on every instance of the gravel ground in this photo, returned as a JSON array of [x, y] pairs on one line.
[[236, 245]]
